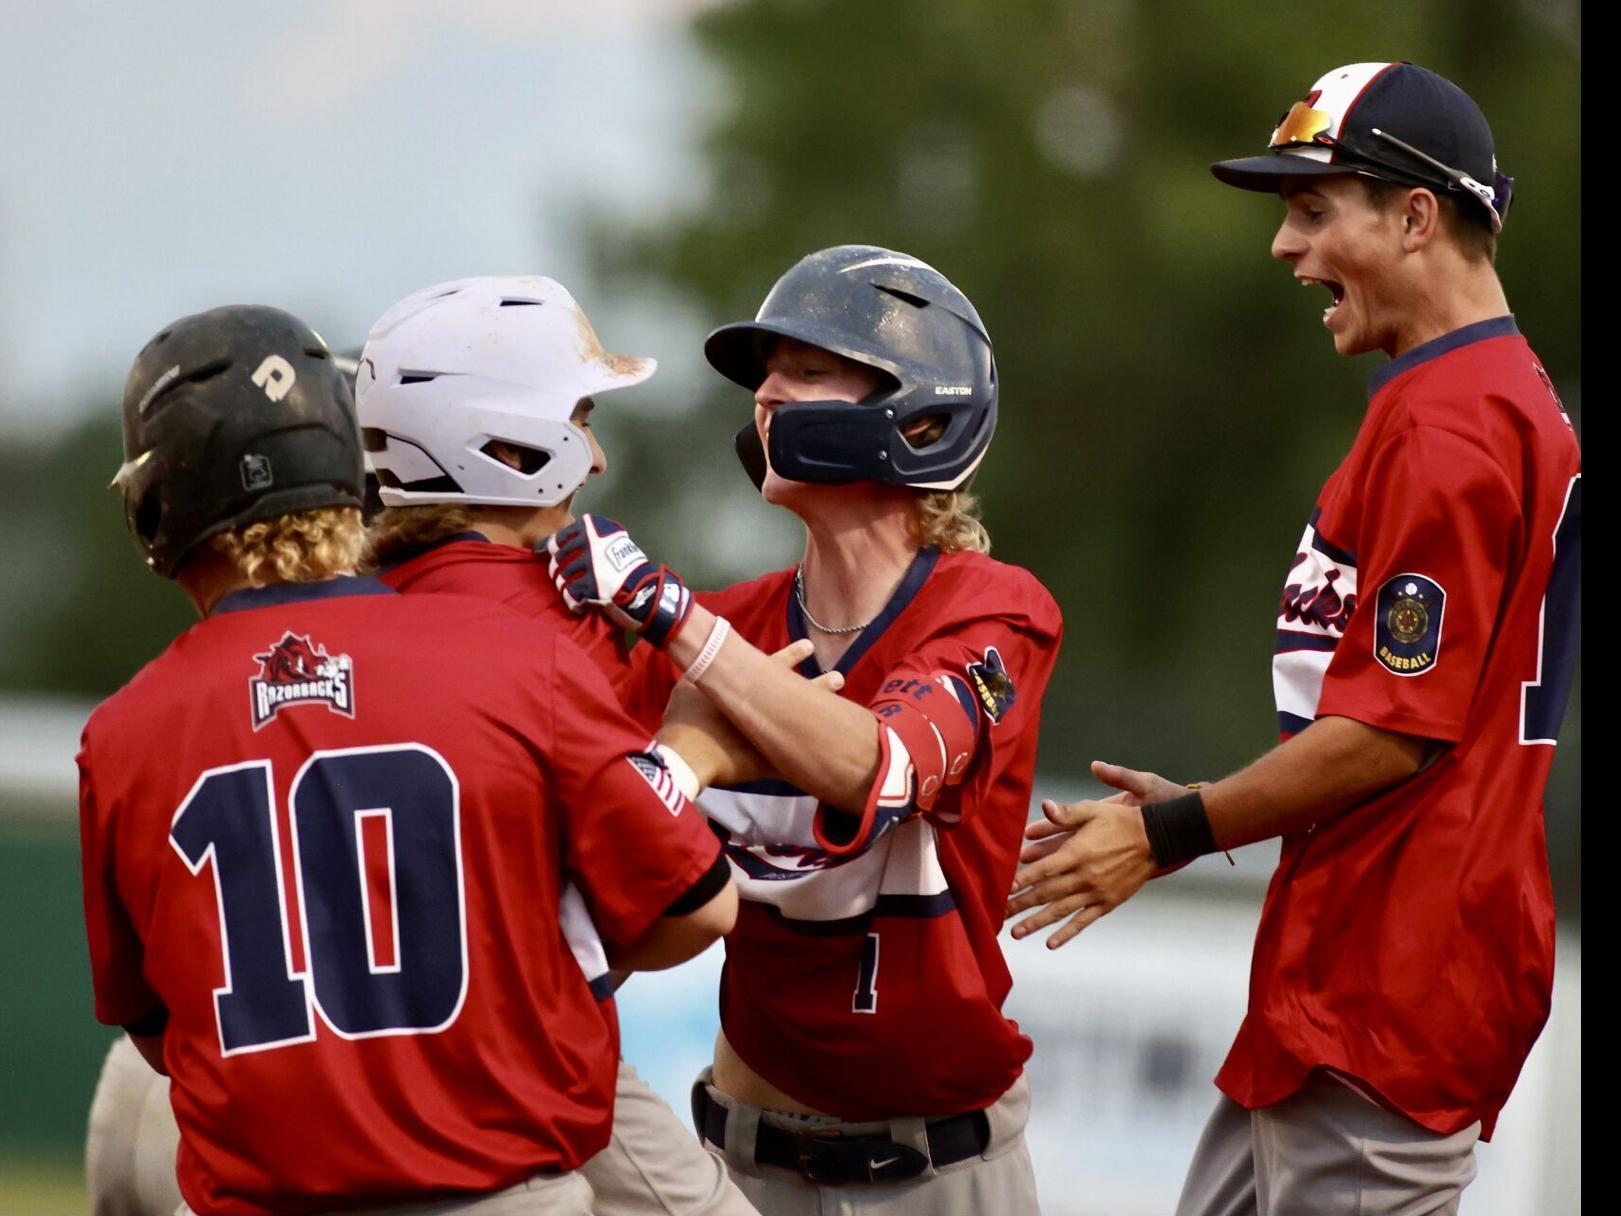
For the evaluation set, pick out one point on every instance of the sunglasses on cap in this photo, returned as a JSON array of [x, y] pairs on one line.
[[1305, 126]]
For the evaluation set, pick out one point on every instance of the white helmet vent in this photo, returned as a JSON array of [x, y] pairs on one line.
[[530, 460], [484, 362]]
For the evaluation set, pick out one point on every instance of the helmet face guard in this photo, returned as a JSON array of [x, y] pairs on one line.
[[824, 443], [831, 443], [898, 316]]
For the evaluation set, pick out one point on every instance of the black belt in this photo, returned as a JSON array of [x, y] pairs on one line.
[[830, 1158]]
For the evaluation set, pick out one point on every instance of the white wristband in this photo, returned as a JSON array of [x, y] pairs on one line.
[[706, 656], [685, 779]]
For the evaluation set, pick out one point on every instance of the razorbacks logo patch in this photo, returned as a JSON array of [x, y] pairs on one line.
[[1407, 632], [297, 671], [992, 685]]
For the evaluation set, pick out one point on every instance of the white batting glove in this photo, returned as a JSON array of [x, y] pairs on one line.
[[597, 565]]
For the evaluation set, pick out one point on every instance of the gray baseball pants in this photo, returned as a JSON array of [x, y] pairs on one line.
[[1325, 1151]]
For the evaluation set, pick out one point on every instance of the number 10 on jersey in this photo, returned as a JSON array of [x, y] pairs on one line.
[[376, 836]]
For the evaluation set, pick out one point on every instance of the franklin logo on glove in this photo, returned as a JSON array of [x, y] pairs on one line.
[[596, 564], [624, 553]]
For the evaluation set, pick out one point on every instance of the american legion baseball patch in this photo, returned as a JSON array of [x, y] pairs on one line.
[[1407, 630]]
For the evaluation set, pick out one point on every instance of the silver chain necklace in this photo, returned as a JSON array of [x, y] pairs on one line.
[[799, 594]]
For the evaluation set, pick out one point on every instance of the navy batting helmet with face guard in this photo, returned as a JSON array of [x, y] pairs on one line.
[[890, 312], [230, 416]]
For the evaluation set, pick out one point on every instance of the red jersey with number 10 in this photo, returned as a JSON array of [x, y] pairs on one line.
[[326, 831], [1408, 942]]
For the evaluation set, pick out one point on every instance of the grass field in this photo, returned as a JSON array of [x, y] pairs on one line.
[[42, 1185]]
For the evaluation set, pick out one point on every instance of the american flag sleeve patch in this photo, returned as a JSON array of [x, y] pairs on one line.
[[657, 774]]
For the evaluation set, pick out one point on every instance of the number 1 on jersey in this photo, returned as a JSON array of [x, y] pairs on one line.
[[229, 817], [866, 997]]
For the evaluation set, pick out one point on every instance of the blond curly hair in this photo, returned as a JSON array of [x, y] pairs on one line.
[[949, 520], [303, 547], [394, 531]]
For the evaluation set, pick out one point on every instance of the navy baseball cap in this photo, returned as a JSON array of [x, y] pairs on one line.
[[1395, 121]]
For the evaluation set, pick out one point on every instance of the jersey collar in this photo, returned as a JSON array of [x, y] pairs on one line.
[[1496, 327], [277, 594], [416, 551], [911, 582]]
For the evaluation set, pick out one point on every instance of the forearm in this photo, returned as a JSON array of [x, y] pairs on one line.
[[702, 754], [673, 939], [1333, 764], [823, 744]]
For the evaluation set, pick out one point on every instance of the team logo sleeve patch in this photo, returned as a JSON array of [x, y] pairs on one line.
[[992, 685], [1407, 631]]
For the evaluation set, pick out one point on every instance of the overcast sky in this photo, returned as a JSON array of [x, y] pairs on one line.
[[325, 156]]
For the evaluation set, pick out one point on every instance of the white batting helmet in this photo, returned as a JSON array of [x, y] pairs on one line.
[[452, 369]]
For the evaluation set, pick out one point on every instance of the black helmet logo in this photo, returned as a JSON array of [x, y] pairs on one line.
[[275, 376], [256, 474]]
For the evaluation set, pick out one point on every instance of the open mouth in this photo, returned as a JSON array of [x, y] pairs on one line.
[[1336, 292]]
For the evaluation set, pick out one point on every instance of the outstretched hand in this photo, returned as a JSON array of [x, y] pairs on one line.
[[1136, 789], [1087, 858]]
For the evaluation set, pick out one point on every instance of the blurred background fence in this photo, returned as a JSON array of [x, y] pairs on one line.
[[1170, 401]]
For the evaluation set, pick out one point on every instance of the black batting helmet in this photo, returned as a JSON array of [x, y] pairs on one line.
[[230, 416], [896, 314]]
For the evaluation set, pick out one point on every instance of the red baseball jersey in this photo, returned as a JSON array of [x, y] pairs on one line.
[[864, 976], [468, 564], [324, 835], [1408, 942]]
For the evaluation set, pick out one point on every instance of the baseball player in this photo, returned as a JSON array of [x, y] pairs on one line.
[[864, 1062], [479, 364], [475, 398], [323, 849], [1426, 640]]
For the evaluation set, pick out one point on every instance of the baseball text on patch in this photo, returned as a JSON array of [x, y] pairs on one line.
[[297, 671], [1407, 632]]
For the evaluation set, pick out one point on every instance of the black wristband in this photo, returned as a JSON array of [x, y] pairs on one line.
[[1178, 830]]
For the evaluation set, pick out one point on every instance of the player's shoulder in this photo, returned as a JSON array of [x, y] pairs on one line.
[[969, 584], [155, 683], [441, 630], [471, 565], [473, 624], [1492, 392], [765, 591]]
